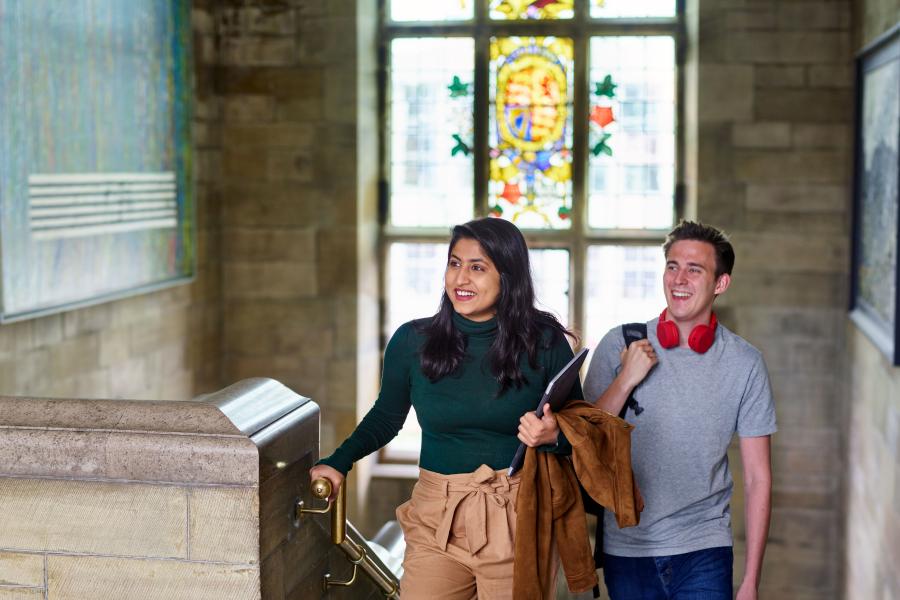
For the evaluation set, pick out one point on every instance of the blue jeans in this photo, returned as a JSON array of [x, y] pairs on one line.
[[701, 575]]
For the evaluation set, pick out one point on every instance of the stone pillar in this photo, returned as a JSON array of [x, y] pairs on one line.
[[299, 175], [772, 156]]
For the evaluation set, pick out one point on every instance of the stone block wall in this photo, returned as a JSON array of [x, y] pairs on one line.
[[144, 500], [126, 500], [872, 520], [871, 550], [296, 83], [159, 345], [769, 161]]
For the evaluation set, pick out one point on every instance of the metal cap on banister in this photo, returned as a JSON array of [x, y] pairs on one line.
[[254, 404]]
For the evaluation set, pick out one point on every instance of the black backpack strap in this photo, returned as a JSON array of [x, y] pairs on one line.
[[632, 332]]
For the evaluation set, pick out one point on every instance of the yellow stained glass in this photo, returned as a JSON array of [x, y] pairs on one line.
[[531, 131], [515, 10]]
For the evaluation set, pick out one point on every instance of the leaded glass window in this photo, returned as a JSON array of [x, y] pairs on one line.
[[618, 9], [412, 11], [623, 285], [514, 10], [559, 115], [631, 162], [427, 125], [530, 124]]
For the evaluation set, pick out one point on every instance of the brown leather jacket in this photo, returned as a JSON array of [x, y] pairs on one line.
[[549, 510]]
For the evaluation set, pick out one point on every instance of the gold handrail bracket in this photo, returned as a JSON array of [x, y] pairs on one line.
[[321, 488], [356, 553]]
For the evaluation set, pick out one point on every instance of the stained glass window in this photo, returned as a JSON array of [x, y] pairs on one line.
[[431, 105], [431, 10], [624, 285], [617, 9], [532, 9], [531, 131], [631, 158]]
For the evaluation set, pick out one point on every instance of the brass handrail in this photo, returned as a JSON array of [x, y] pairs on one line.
[[359, 554]]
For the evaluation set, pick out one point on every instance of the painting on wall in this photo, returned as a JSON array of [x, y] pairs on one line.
[[876, 222], [95, 163]]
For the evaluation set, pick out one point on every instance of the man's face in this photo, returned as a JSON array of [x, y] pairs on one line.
[[690, 282]]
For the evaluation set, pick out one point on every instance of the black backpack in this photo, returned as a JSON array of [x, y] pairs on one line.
[[632, 332]]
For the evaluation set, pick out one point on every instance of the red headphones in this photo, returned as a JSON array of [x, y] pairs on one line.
[[700, 340]]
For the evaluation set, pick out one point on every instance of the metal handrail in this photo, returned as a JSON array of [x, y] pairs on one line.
[[358, 553]]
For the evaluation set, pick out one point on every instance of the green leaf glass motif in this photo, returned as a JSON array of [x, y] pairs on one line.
[[601, 146], [458, 89], [606, 87], [460, 146]]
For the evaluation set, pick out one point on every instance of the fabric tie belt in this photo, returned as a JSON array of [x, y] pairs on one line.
[[485, 487]]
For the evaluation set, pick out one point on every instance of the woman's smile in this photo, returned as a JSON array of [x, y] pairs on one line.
[[471, 281]]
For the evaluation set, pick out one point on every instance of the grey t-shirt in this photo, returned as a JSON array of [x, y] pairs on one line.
[[693, 404]]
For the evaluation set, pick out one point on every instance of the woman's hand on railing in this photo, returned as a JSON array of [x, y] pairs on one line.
[[331, 474]]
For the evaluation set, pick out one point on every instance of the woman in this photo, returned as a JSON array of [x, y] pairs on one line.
[[474, 372]]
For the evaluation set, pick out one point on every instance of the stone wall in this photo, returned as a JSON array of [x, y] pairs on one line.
[[769, 161], [159, 345], [298, 183], [872, 519], [148, 500], [127, 500], [285, 146]]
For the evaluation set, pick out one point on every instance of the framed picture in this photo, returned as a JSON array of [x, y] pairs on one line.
[[876, 218], [95, 164]]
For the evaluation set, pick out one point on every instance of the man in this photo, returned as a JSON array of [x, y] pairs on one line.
[[695, 384]]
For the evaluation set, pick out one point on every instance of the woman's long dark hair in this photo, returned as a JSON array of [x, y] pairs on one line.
[[520, 326]]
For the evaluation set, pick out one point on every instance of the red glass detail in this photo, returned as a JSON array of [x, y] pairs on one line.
[[511, 192], [602, 115]]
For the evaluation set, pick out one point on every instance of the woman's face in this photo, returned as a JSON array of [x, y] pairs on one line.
[[472, 281]]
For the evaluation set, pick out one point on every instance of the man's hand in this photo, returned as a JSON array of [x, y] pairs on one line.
[[538, 432], [637, 360], [747, 591]]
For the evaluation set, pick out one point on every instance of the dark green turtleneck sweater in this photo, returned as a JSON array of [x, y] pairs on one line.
[[464, 423]]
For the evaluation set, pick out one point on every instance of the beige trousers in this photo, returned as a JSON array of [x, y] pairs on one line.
[[459, 532]]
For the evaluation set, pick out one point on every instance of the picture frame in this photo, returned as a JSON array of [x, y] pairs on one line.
[[875, 272], [96, 185]]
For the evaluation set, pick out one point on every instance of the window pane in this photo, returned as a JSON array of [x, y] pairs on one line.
[[624, 285], [550, 271], [431, 10], [431, 131], [532, 9], [612, 9], [415, 280], [531, 131], [631, 166]]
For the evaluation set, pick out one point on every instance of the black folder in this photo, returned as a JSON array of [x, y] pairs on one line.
[[557, 395]]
